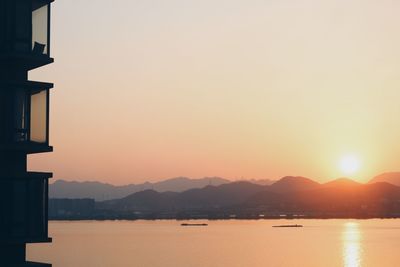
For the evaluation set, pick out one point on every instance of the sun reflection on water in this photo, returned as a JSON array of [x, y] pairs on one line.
[[351, 237]]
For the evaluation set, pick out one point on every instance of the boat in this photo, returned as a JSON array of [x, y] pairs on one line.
[[194, 224], [288, 225]]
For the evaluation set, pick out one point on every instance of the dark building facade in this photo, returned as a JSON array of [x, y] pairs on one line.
[[24, 127]]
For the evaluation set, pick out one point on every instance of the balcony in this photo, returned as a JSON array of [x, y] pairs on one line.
[[26, 42], [29, 106], [23, 204]]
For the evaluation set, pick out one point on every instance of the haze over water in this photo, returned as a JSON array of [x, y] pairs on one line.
[[236, 243]]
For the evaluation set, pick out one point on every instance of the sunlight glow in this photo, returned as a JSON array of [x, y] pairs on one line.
[[349, 164], [351, 237]]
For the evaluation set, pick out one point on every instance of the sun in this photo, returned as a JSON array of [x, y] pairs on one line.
[[349, 164]]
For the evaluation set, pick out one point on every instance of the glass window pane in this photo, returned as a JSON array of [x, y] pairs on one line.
[[39, 30], [20, 119], [39, 117]]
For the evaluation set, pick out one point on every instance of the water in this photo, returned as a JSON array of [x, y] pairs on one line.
[[349, 243]]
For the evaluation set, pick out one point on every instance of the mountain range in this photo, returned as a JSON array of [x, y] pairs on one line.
[[290, 195], [103, 191]]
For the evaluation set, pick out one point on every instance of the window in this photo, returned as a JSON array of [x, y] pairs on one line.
[[21, 115], [31, 115], [40, 25], [38, 118]]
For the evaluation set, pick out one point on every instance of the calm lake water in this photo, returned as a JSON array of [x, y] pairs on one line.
[[350, 243]]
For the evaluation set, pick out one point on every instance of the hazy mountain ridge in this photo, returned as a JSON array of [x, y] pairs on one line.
[[293, 183], [199, 198], [289, 194], [103, 191], [388, 177], [340, 198]]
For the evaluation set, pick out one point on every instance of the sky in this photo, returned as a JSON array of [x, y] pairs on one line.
[[148, 90]]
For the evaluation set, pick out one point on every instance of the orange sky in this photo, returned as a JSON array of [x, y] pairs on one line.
[[147, 90]]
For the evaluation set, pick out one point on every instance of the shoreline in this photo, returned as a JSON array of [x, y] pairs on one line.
[[220, 219]]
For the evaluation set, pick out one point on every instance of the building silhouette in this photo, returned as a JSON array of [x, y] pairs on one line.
[[24, 127]]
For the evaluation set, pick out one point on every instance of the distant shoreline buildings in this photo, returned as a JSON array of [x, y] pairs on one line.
[[288, 198]]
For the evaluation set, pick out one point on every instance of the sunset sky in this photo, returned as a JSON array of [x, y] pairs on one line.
[[148, 90]]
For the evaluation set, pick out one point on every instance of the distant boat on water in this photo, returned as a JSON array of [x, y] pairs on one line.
[[288, 225], [194, 224]]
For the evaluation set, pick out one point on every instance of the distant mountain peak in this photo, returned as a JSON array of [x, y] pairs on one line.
[[295, 178], [293, 183], [388, 177], [343, 181]]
